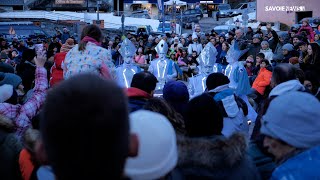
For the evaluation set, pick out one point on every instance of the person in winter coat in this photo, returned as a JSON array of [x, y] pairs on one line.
[[142, 88], [263, 79], [287, 52], [56, 70], [296, 150], [10, 147], [306, 29], [22, 114], [204, 153], [26, 69], [88, 56], [283, 39], [255, 46], [273, 37], [268, 54]]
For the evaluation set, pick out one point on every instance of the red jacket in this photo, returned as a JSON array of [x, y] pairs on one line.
[[56, 70], [262, 81], [309, 30]]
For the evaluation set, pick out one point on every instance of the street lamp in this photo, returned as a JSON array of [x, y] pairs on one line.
[[98, 4]]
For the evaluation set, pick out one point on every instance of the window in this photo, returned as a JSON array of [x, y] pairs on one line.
[[187, 12], [193, 11], [244, 6]]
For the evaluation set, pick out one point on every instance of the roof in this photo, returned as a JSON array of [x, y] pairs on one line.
[[11, 2]]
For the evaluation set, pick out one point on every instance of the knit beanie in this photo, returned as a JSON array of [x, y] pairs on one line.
[[299, 125], [157, 154], [6, 92], [288, 47], [177, 95], [10, 78], [216, 79], [264, 42], [203, 117]]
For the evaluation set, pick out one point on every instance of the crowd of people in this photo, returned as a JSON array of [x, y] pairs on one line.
[[201, 106]]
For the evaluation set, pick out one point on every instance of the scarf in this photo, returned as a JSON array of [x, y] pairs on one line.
[[90, 39]]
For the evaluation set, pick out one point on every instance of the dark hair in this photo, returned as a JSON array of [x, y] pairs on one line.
[[211, 121], [159, 105], [266, 61], [28, 55], [315, 53], [283, 72], [92, 31], [145, 81], [216, 79], [261, 55], [79, 117]]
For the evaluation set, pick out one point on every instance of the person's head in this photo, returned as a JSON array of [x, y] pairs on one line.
[[140, 50], [144, 81], [282, 73], [314, 51], [249, 29], [286, 49], [303, 46], [212, 121], [294, 60], [311, 81], [239, 33], [225, 46], [194, 54], [184, 52], [160, 105], [295, 40], [14, 53], [256, 39], [91, 31], [305, 22], [176, 94], [213, 41], [264, 45], [222, 39], [249, 61], [264, 63], [215, 80], [289, 130], [78, 110], [183, 41], [3, 42], [259, 57], [157, 148]]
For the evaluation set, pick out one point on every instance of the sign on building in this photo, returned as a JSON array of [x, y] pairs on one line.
[[69, 1]]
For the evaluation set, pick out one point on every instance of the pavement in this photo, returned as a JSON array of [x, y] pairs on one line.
[[207, 24]]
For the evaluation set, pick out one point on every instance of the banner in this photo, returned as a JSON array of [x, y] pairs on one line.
[[160, 5]]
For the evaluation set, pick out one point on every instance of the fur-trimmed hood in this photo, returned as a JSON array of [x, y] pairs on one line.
[[212, 153], [6, 123], [215, 158]]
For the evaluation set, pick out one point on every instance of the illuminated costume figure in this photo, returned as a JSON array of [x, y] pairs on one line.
[[162, 68], [125, 72], [207, 65], [238, 77]]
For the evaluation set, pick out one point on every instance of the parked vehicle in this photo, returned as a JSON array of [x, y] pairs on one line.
[[138, 30], [243, 7], [224, 28], [191, 13], [187, 22], [313, 21], [9, 31], [224, 10], [168, 28]]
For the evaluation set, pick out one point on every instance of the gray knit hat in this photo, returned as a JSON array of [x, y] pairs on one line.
[[293, 118], [9, 78], [288, 47]]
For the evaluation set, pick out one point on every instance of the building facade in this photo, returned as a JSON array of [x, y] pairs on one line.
[[288, 12]]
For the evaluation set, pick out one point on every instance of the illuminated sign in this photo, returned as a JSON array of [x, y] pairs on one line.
[[69, 2]]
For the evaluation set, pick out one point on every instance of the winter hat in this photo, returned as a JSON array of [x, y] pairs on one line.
[[288, 47], [264, 42], [4, 55], [256, 36], [6, 92], [175, 91], [177, 95], [194, 35], [299, 126], [158, 154], [216, 79], [211, 122], [10, 78], [176, 38]]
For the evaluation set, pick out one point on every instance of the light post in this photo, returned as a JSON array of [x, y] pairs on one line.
[[98, 4], [118, 7]]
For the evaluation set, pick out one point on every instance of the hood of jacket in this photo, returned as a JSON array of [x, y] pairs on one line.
[[135, 92], [217, 153], [6, 123], [285, 87]]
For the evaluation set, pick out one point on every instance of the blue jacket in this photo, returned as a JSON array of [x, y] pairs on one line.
[[302, 166]]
